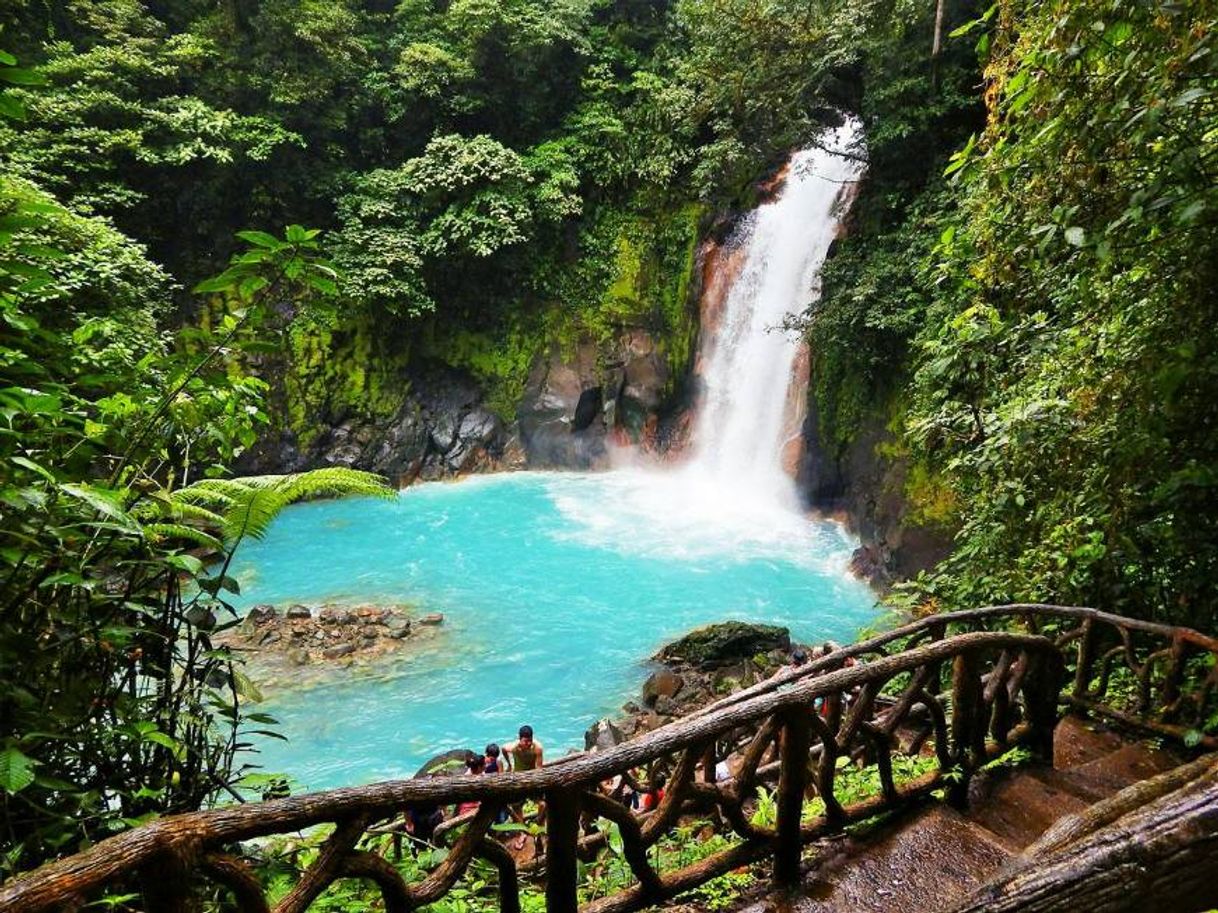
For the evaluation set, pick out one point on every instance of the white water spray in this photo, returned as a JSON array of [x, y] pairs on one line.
[[740, 434]]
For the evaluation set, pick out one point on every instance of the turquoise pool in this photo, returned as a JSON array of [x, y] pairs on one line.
[[556, 588]]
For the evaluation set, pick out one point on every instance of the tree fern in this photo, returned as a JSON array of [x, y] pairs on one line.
[[236, 508]]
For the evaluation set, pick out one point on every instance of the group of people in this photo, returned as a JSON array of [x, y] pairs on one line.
[[523, 754]]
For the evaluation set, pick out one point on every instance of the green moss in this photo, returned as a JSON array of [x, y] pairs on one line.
[[634, 271], [338, 370], [500, 361], [931, 501]]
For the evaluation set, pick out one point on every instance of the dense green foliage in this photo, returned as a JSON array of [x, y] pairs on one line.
[[1047, 313], [117, 526]]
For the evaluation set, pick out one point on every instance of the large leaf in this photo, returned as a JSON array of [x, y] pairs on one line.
[[16, 770]]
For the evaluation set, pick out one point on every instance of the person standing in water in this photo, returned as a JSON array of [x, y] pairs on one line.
[[524, 753]]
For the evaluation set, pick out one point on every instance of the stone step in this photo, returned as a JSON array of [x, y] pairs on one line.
[[929, 858], [1077, 741], [1017, 808], [916, 864], [1127, 765]]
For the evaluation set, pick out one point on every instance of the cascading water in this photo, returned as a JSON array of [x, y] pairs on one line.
[[741, 431]]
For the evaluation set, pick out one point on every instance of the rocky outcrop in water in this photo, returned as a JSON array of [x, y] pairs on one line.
[[699, 668], [718, 645], [280, 642]]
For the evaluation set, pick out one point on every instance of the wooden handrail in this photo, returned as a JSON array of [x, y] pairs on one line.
[[1002, 688]]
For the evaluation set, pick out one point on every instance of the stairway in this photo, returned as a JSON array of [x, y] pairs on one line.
[[930, 858]]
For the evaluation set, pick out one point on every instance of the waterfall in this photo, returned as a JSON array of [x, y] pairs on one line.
[[731, 499], [743, 423]]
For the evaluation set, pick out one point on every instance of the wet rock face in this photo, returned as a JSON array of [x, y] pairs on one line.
[[561, 421], [441, 429], [575, 403], [602, 735], [661, 683], [867, 489], [724, 644]]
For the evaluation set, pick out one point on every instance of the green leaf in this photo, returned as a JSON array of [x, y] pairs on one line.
[[16, 770], [220, 283], [31, 465], [1192, 738], [103, 501], [245, 686], [1076, 236], [1189, 96], [11, 108], [261, 238], [19, 76], [165, 741]]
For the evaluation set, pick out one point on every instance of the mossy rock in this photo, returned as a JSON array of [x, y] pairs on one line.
[[724, 644]]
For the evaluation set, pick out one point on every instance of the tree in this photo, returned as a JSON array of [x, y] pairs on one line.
[[116, 704]]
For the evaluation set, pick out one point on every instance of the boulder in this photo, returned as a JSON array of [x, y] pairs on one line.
[[334, 615], [724, 644], [661, 683], [445, 764], [261, 614], [338, 651], [666, 706], [298, 657], [433, 618], [299, 611], [602, 735]]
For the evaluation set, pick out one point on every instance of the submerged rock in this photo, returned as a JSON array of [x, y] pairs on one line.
[[299, 611], [444, 764]]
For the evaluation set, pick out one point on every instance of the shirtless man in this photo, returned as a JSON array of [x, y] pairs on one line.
[[524, 753]]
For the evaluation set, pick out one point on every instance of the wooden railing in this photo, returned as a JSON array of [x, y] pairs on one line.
[[955, 696]]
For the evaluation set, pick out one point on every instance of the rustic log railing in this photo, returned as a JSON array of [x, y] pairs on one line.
[[955, 696]]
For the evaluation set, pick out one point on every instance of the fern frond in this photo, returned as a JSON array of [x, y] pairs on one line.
[[184, 510], [251, 514], [242, 507], [162, 532], [334, 481]]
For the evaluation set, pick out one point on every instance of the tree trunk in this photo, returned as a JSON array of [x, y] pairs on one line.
[[1163, 857], [936, 48]]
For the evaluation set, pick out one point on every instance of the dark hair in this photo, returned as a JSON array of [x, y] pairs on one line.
[[659, 782], [474, 761], [492, 750], [526, 732]]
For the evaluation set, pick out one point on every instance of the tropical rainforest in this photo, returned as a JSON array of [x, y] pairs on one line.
[[211, 209]]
